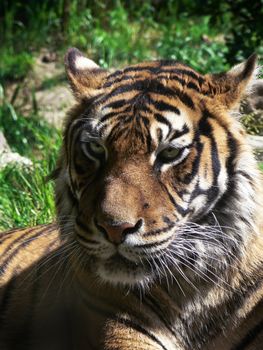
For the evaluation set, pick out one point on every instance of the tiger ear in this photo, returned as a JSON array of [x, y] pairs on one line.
[[230, 87], [85, 76]]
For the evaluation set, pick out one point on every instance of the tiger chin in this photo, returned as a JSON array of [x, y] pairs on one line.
[[159, 242]]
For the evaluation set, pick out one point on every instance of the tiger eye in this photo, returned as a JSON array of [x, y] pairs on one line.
[[168, 154], [96, 147]]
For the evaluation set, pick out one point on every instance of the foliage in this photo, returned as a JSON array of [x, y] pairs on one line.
[[242, 21], [113, 33], [14, 66], [121, 31], [253, 123], [25, 196], [27, 136], [193, 44]]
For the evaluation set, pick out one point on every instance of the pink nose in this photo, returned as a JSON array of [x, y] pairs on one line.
[[116, 233]]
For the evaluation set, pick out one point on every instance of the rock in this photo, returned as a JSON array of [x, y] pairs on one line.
[[44, 90], [8, 157], [257, 143], [3, 144], [53, 104]]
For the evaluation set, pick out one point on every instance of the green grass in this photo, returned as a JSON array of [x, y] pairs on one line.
[[26, 198]]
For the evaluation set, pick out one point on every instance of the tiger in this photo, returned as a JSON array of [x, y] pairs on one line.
[[158, 240]]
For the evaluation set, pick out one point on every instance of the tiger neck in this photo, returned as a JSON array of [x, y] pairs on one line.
[[239, 214]]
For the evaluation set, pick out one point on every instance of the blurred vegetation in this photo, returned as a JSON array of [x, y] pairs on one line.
[[208, 35]]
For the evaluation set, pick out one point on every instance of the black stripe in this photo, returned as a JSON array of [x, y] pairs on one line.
[[153, 304], [87, 240], [118, 80], [150, 86], [233, 149], [216, 166], [71, 196], [154, 68], [67, 132], [154, 244], [190, 85], [138, 328], [98, 309], [178, 133], [186, 100], [221, 315], [78, 124], [111, 115], [178, 74], [9, 288], [160, 135], [159, 230], [116, 104], [115, 74], [17, 240], [9, 232], [204, 126], [160, 67], [193, 86], [170, 76], [178, 207], [164, 106], [188, 177], [24, 244], [163, 120], [145, 122], [127, 323], [116, 130], [250, 337], [191, 74], [81, 224]]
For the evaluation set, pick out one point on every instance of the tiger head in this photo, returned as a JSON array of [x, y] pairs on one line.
[[152, 169]]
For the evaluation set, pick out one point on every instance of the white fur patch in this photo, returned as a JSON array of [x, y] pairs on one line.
[[153, 131], [176, 120], [83, 63]]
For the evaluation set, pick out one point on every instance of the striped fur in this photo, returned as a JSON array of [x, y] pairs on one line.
[[153, 148]]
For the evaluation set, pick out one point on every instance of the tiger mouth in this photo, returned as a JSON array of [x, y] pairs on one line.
[[120, 270], [118, 260]]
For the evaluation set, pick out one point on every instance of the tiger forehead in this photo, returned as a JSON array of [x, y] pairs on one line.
[[142, 130], [149, 102], [166, 69]]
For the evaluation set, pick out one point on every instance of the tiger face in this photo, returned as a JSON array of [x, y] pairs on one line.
[[148, 157]]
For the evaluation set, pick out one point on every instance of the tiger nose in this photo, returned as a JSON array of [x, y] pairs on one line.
[[116, 233]]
